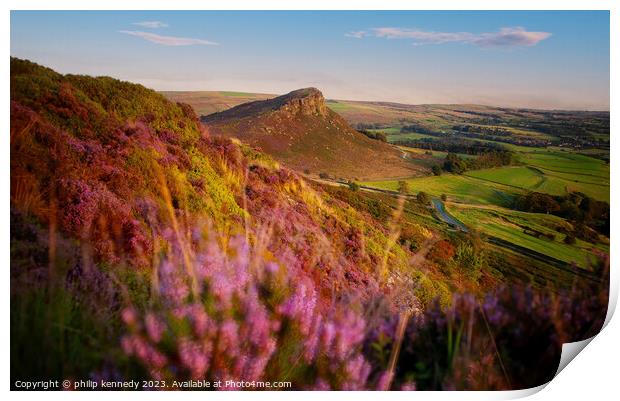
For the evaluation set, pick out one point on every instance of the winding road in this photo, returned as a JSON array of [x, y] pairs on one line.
[[446, 217]]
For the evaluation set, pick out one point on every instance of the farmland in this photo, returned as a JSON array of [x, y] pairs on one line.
[[482, 199], [513, 226]]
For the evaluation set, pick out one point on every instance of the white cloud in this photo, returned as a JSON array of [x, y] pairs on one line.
[[505, 37], [169, 40], [356, 34], [151, 24]]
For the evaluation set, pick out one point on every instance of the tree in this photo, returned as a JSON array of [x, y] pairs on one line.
[[437, 169], [454, 164], [354, 186], [538, 202], [381, 136], [570, 239], [423, 198], [403, 187]]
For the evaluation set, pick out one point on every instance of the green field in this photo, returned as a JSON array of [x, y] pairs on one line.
[[457, 187], [518, 177], [388, 131], [509, 226], [566, 162], [436, 154], [393, 137], [555, 173]]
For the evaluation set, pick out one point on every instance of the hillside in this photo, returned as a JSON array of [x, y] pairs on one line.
[[116, 165], [121, 203], [299, 130]]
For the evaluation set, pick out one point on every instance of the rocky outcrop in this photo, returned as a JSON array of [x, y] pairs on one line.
[[299, 130], [307, 102]]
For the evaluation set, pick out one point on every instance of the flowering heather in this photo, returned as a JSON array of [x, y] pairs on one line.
[[252, 319], [510, 339]]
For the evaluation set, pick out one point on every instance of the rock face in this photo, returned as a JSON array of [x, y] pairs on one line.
[[299, 130], [307, 101]]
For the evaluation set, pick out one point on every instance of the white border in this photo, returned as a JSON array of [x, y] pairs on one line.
[[593, 374]]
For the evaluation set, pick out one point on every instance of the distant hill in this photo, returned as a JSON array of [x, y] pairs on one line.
[[209, 102], [300, 130]]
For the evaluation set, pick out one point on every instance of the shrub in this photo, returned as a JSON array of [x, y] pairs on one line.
[[442, 251], [470, 260], [423, 198], [403, 187], [570, 239]]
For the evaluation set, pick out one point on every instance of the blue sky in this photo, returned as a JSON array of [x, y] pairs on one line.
[[543, 59]]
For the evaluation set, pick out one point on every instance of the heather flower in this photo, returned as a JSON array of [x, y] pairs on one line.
[[236, 326], [408, 386], [154, 327]]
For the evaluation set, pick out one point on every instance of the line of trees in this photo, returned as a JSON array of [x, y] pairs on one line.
[[453, 163], [454, 145], [588, 215], [377, 135]]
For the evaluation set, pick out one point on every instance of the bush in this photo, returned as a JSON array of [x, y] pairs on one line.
[[353, 186], [403, 187], [511, 339], [444, 197], [379, 136], [470, 260], [246, 318], [570, 239], [324, 176], [437, 169], [454, 164], [423, 198], [442, 251]]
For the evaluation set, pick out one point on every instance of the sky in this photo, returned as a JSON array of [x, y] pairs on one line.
[[536, 59]]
